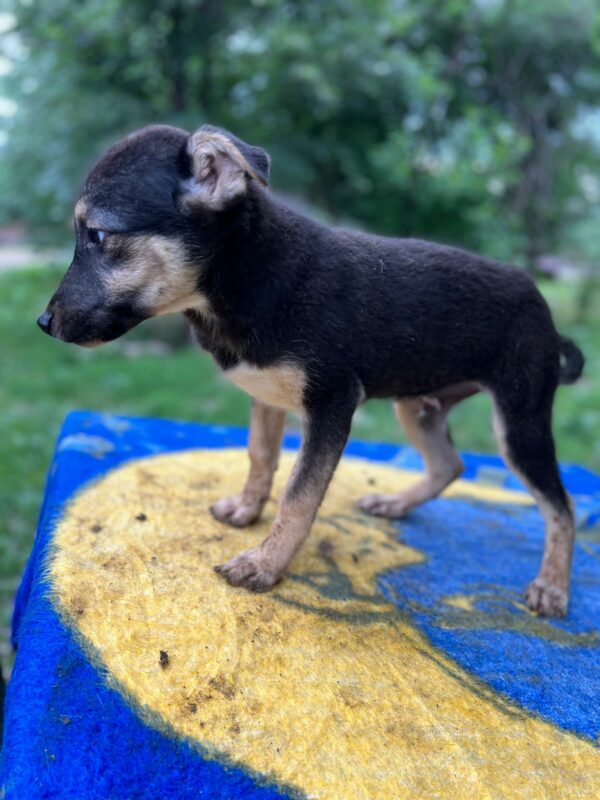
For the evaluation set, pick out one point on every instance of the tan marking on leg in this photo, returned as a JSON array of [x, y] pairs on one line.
[[261, 567], [424, 421], [548, 594], [281, 386], [560, 534], [266, 431]]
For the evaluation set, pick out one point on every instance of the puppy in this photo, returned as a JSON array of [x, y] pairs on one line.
[[302, 316]]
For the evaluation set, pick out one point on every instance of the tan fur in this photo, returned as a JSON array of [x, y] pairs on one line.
[[549, 592], [81, 209], [155, 272], [281, 386], [203, 142], [290, 528], [261, 567], [424, 422], [220, 170], [266, 431]]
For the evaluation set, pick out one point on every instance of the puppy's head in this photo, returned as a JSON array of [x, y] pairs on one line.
[[145, 226]]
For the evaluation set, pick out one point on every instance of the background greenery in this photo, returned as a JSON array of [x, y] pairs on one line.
[[473, 122]]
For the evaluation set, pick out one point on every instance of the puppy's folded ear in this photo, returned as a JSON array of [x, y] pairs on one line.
[[221, 167]]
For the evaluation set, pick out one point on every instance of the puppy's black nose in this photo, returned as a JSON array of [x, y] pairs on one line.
[[45, 322]]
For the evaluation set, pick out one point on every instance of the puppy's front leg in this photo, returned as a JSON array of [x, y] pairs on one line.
[[327, 426], [266, 431]]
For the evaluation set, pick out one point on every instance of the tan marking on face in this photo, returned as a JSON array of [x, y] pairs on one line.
[[81, 209], [156, 272], [281, 386]]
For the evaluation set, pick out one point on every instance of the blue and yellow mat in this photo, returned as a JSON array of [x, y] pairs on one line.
[[395, 661]]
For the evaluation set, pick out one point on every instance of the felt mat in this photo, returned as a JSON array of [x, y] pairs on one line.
[[396, 660]]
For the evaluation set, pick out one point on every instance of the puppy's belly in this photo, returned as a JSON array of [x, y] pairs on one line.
[[281, 386]]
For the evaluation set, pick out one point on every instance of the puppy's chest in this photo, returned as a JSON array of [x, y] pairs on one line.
[[281, 386]]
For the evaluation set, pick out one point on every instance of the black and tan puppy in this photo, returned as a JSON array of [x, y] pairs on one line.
[[305, 317]]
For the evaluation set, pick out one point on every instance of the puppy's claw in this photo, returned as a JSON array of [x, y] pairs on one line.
[[248, 570], [236, 511], [383, 505], [545, 599]]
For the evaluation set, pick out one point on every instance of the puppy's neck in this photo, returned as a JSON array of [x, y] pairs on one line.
[[262, 250], [256, 255]]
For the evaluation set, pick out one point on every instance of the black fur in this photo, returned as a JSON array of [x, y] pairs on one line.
[[137, 181], [401, 317], [405, 317], [363, 316]]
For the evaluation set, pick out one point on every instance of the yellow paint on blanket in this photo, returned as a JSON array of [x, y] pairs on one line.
[[320, 684]]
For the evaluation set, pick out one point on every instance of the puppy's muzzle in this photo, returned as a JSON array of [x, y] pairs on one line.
[[45, 322]]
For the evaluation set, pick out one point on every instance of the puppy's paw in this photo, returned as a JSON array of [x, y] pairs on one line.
[[384, 505], [236, 511], [250, 570], [545, 599]]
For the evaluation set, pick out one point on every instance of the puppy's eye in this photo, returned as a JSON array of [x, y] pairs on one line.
[[96, 236]]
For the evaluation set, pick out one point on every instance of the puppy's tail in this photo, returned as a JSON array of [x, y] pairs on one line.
[[571, 362]]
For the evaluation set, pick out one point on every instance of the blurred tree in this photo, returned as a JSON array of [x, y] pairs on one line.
[[461, 121], [535, 64], [86, 73]]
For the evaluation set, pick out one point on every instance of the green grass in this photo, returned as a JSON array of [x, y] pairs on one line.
[[43, 379]]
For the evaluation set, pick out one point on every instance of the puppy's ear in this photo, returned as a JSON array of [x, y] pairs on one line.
[[221, 167]]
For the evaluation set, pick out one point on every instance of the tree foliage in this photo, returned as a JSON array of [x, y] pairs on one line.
[[469, 121]]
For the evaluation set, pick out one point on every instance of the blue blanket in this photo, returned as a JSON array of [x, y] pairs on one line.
[[85, 719]]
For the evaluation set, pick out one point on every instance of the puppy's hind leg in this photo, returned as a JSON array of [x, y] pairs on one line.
[[266, 431], [524, 436], [424, 421]]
